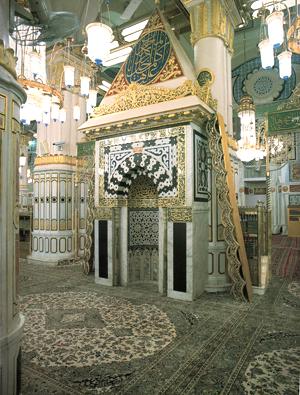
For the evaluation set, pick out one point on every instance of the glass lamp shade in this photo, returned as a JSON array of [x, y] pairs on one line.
[[246, 155], [69, 72], [46, 118], [93, 97], [285, 64], [62, 115], [99, 37], [46, 103], [85, 85], [266, 54], [76, 113], [275, 28], [35, 63], [55, 112], [89, 107], [260, 154], [22, 160]]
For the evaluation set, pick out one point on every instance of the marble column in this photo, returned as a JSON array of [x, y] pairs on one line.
[[54, 236], [212, 24], [11, 321]]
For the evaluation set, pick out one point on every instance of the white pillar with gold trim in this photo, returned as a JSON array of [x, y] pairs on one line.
[[11, 321], [54, 227], [212, 24]]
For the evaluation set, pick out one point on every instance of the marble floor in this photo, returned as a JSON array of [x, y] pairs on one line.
[[82, 338]]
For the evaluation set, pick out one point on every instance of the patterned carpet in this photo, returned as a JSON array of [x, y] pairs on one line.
[[286, 256], [82, 338]]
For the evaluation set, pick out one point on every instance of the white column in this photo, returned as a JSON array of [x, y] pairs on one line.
[[11, 321], [212, 37], [54, 228]]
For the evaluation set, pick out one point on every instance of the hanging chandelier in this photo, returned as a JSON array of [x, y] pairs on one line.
[[97, 51], [249, 145], [43, 102], [99, 37], [273, 38]]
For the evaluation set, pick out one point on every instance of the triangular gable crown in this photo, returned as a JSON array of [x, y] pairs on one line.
[[157, 58]]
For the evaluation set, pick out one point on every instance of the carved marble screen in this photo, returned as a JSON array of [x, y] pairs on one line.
[[143, 244], [158, 155]]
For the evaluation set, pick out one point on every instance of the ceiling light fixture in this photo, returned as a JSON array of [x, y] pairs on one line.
[[273, 36], [250, 145], [99, 38]]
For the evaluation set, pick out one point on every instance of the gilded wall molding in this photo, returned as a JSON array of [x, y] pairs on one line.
[[137, 95], [180, 214], [153, 121], [8, 59], [55, 160]]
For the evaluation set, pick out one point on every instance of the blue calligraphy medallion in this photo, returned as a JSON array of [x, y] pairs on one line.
[[148, 58]]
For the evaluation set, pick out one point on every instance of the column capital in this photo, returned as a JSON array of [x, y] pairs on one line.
[[8, 59], [213, 18]]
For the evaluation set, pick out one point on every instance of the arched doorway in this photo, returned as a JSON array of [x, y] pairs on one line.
[[143, 230]]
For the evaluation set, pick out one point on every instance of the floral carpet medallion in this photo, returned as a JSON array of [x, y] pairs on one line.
[[80, 329], [273, 372]]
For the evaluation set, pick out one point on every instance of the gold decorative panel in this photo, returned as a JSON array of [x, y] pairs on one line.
[[180, 214], [137, 95], [55, 160], [103, 213]]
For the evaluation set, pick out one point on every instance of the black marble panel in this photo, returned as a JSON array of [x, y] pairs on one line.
[[103, 249], [179, 256]]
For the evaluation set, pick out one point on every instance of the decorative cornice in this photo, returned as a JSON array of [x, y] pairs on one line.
[[195, 115], [55, 160], [137, 95], [8, 59]]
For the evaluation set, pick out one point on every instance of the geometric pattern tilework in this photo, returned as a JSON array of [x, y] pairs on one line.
[[155, 158], [200, 167], [82, 329], [142, 228], [240, 73]]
